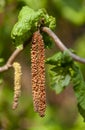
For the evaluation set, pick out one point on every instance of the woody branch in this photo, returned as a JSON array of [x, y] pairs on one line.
[[57, 41], [11, 60], [61, 46]]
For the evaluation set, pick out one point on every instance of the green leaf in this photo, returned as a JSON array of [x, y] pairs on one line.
[[79, 89], [60, 82], [59, 58], [60, 71], [28, 21]]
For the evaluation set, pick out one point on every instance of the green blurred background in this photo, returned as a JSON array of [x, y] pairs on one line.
[[61, 113]]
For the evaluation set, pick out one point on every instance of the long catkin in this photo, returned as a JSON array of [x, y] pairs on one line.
[[38, 73], [17, 83], [34, 71]]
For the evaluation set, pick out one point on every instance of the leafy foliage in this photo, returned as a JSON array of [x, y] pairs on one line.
[[24, 117], [63, 71], [79, 89], [28, 21]]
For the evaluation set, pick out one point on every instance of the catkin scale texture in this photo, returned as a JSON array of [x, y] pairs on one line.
[[34, 73], [38, 73]]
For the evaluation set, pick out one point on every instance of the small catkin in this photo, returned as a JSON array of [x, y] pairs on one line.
[[17, 83], [38, 73]]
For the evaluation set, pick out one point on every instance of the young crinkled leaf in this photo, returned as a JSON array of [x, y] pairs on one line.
[[79, 89], [62, 71], [28, 22]]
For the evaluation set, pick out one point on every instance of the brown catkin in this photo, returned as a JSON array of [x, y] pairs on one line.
[[41, 75], [38, 73], [34, 72], [17, 83]]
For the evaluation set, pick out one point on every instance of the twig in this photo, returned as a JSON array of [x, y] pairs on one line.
[[13, 56], [11, 60], [61, 46], [57, 41]]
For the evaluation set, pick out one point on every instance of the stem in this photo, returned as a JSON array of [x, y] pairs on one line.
[[61, 46], [10, 60], [57, 41], [13, 56]]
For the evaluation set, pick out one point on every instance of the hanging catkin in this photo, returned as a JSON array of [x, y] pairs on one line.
[[41, 75], [17, 83], [38, 73], [34, 70]]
